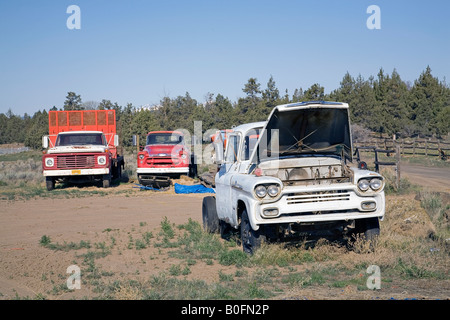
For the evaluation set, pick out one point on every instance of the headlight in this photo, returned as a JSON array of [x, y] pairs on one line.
[[363, 184], [261, 191], [375, 184], [141, 157], [101, 160], [273, 190], [49, 162]]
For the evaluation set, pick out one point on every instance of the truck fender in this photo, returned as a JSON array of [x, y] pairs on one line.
[[250, 206]]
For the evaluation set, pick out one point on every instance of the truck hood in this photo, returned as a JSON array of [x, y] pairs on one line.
[[300, 131], [77, 149], [163, 150]]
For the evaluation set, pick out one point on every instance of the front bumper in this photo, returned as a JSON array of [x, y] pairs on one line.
[[75, 172], [319, 204], [179, 170]]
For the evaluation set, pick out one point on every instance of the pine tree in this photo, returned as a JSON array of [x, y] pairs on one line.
[[315, 93], [73, 102], [428, 102], [271, 95]]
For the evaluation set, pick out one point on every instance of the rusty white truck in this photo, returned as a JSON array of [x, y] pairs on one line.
[[294, 175], [82, 146]]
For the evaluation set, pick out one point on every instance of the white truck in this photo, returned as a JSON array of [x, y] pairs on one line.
[[293, 175]]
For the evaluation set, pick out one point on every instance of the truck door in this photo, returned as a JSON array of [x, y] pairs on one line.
[[226, 172]]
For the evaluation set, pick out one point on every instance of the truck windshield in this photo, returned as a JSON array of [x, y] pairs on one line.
[[313, 131], [164, 138], [70, 139]]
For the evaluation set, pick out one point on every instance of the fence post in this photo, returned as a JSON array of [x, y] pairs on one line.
[[377, 168], [397, 167], [426, 147]]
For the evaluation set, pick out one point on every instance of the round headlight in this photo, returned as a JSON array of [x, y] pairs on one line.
[[273, 190], [363, 184], [261, 191], [49, 162], [101, 160], [141, 157], [375, 184]]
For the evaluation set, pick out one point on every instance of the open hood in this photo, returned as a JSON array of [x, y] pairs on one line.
[[305, 130]]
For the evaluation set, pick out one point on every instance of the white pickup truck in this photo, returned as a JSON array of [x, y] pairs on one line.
[[292, 175]]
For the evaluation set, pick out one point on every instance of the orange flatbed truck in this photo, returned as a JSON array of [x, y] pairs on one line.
[[82, 146]]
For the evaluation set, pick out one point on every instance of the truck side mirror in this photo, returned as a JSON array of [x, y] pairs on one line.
[[45, 142], [116, 140]]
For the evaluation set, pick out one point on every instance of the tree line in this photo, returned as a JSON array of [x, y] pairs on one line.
[[383, 104]]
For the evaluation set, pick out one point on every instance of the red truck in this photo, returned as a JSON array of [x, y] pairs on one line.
[[165, 156], [82, 146]]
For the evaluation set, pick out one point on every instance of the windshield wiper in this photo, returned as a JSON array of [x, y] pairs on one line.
[[303, 147]]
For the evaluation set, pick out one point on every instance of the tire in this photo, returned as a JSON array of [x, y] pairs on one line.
[[369, 229], [209, 215], [225, 230], [251, 239], [372, 229], [106, 181], [193, 167], [50, 183]]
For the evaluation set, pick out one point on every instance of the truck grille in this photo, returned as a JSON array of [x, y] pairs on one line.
[[162, 161], [320, 196], [77, 161]]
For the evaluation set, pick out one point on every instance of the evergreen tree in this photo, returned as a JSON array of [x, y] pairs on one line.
[[428, 101], [37, 129], [315, 93], [271, 95], [298, 95], [73, 102]]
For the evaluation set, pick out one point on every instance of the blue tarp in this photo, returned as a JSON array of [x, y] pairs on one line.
[[197, 188]]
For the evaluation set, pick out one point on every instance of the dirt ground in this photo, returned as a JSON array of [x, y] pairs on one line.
[[434, 178], [28, 269]]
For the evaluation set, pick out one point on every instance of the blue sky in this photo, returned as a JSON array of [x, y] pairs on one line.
[[139, 51]]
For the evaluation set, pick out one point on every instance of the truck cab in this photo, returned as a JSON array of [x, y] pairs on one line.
[[291, 175], [165, 156]]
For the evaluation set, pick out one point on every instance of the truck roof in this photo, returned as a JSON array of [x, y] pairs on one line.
[[169, 131], [243, 128], [69, 132]]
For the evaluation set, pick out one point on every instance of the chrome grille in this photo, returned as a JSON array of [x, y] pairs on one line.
[[320, 196], [77, 161]]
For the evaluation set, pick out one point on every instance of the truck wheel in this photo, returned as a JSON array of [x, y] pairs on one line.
[[50, 183], [106, 181], [251, 239], [369, 228], [193, 167], [225, 230], [209, 215]]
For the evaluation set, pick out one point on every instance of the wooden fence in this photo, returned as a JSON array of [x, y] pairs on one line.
[[410, 146], [400, 147]]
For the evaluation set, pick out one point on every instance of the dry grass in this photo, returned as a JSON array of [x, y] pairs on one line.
[[21, 172]]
